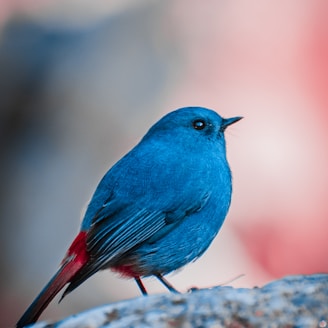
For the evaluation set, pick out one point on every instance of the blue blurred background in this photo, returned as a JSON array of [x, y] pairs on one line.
[[80, 84]]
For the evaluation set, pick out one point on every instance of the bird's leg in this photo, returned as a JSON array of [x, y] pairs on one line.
[[166, 283], [141, 285]]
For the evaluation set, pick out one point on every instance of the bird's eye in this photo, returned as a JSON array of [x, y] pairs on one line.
[[199, 124]]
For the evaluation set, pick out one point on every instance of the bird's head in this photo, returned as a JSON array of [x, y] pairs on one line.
[[194, 126]]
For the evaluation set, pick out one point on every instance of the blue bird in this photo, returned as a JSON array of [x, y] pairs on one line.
[[157, 209]]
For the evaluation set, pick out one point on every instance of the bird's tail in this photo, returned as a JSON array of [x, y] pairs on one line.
[[74, 260]]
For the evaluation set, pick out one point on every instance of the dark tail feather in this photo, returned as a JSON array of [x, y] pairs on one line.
[[59, 280], [85, 273], [76, 257]]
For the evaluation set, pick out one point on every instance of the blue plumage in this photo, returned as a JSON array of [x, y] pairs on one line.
[[156, 209], [161, 205]]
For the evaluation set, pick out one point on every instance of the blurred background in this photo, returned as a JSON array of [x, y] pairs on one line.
[[82, 81]]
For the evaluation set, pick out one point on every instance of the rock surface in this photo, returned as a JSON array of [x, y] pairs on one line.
[[294, 301]]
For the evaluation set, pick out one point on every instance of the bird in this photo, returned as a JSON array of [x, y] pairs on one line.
[[156, 210]]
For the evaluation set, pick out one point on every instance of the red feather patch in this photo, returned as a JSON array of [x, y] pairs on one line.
[[126, 270], [78, 250]]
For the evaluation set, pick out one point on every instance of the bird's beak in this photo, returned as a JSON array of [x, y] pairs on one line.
[[228, 121]]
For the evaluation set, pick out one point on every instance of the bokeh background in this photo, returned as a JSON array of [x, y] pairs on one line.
[[82, 81]]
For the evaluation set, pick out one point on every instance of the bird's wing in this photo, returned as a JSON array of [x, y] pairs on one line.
[[118, 227]]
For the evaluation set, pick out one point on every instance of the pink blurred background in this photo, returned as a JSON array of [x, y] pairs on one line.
[[80, 83]]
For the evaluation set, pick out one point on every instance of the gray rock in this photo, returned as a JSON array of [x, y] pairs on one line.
[[294, 301]]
